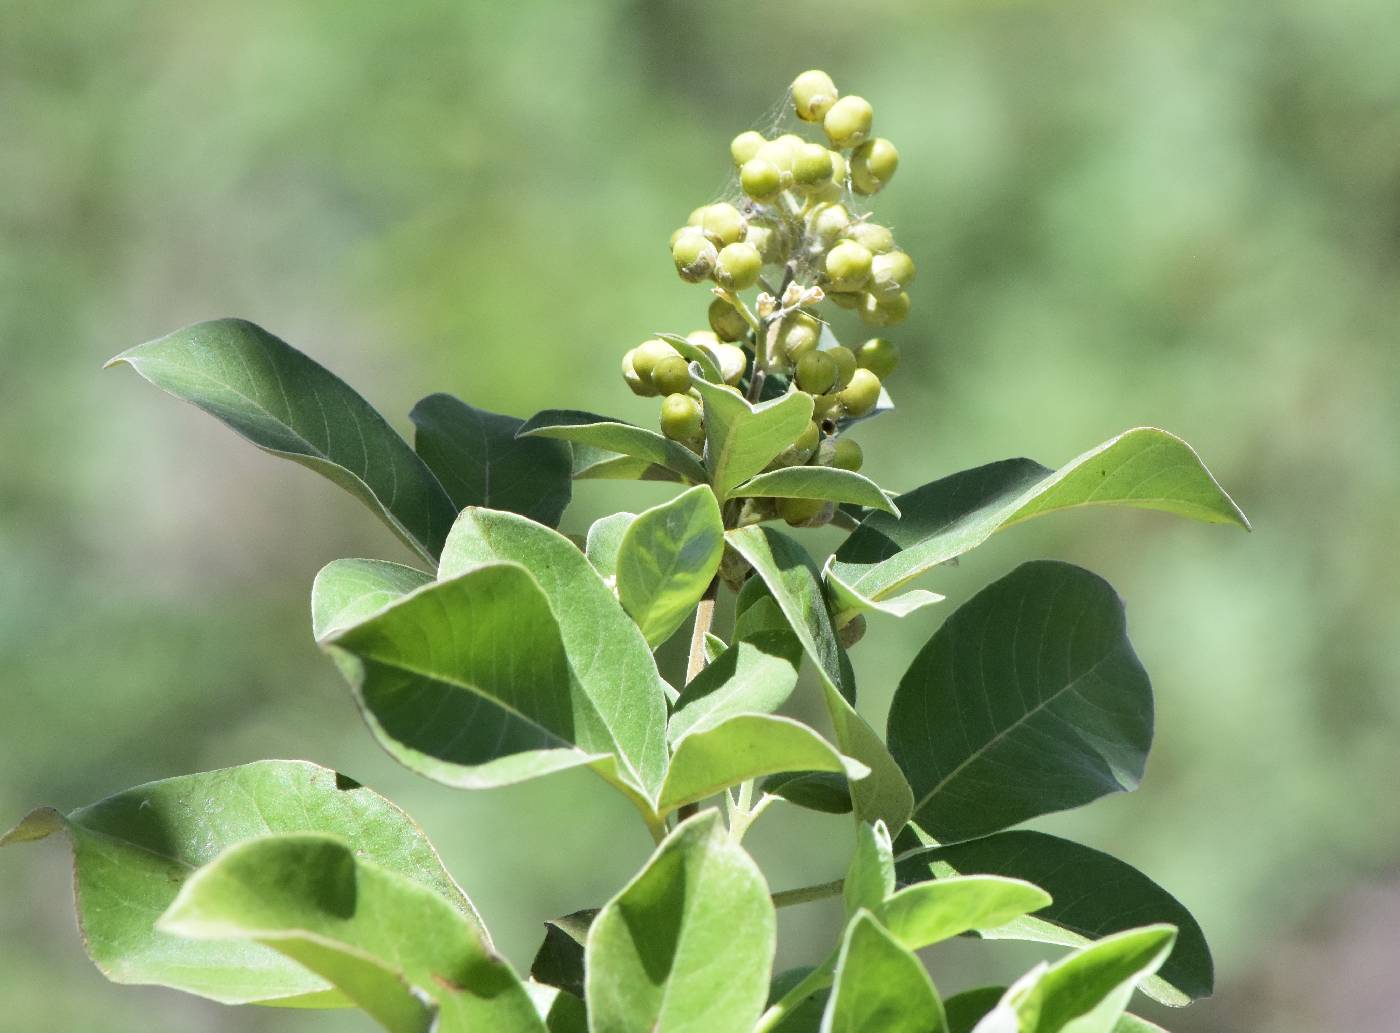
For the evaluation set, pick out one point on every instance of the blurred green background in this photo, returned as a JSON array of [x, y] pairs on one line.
[[1179, 214]]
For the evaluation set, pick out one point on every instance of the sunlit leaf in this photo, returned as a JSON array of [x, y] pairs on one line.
[[667, 558]]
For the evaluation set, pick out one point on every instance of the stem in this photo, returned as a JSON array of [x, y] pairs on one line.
[[704, 619], [806, 894], [818, 979], [840, 518]]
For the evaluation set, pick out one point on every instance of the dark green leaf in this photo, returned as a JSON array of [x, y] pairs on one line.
[[1143, 468], [610, 435], [288, 405], [562, 1011], [652, 950], [807, 1016], [480, 462], [1028, 700], [880, 987], [134, 851], [668, 556], [1094, 894], [741, 439], [816, 790], [388, 943], [559, 961]]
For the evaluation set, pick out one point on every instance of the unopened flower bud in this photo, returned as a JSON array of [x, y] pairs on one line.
[[813, 93]]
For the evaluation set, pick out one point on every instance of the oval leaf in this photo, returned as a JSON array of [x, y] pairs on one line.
[[817, 482], [347, 592], [1094, 894], [870, 877], [880, 987], [926, 913], [133, 852], [743, 747], [614, 436], [1028, 700], [480, 462], [753, 676], [388, 943], [288, 405], [1143, 468], [741, 439], [605, 540], [652, 950], [667, 558], [609, 657]]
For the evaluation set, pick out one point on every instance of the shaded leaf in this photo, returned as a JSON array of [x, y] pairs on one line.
[[559, 960], [667, 558], [816, 482], [480, 462], [880, 987], [822, 791], [288, 405], [807, 1016], [562, 1011], [1143, 468], [741, 439], [652, 949], [870, 877], [611, 435], [385, 941], [753, 676], [1095, 894], [742, 747], [1028, 700], [134, 851]]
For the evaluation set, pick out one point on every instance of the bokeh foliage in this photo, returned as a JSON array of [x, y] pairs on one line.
[[1177, 214]]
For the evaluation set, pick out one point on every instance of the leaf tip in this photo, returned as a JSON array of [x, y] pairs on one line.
[[38, 824]]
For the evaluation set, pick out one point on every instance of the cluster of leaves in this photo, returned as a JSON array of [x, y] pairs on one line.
[[524, 652]]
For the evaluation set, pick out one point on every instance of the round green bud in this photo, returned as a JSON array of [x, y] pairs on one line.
[[847, 122], [726, 321], [703, 338], [816, 373], [671, 376], [800, 451], [890, 273], [811, 166], [800, 512], [884, 309], [828, 222], [723, 224], [862, 393], [843, 300], [744, 146], [879, 355], [813, 93], [629, 374], [799, 335], [848, 266], [760, 179], [779, 153], [768, 239], [732, 361], [873, 165], [839, 168], [697, 216], [872, 236], [680, 418], [694, 255], [845, 360], [848, 455], [647, 356], [738, 266], [809, 439]]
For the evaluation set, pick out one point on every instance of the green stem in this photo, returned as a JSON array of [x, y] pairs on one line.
[[806, 894], [818, 979], [704, 620]]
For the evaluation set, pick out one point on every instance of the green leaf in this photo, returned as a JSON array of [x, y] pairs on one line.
[[605, 540], [288, 405], [885, 794], [880, 987], [816, 482], [347, 592], [967, 1008], [385, 941], [805, 1017], [611, 435], [741, 439], [1028, 700], [1087, 991], [870, 877], [846, 603], [467, 682], [815, 790], [1095, 894], [607, 654], [134, 851], [1143, 468], [599, 464], [693, 353], [926, 913], [668, 557], [652, 950], [753, 676], [559, 960], [742, 747], [562, 1011], [480, 462]]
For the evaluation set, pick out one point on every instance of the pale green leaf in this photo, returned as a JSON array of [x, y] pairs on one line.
[[346, 592], [606, 652], [880, 987], [847, 603], [1029, 699], [611, 435], [1143, 468], [693, 353], [288, 405], [389, 944], [605, 539], [742, 747], [756, 675], [741, 439], [816, 482], [870, 876], [134, 851], [668, 556], [687, 946], [480, 462], [926, 913], [562, 1011]]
